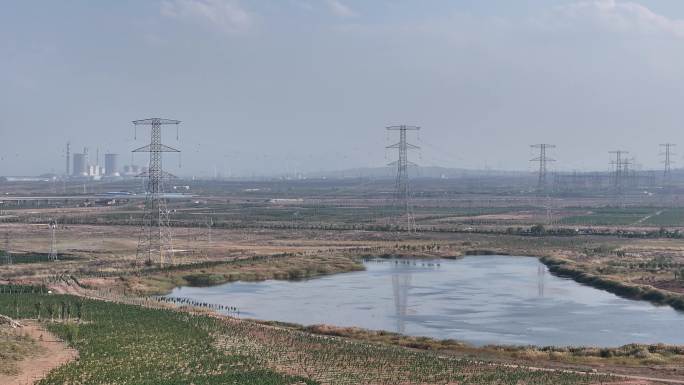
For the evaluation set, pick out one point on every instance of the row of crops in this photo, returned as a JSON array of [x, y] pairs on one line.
[[126, 344], [641, 216]]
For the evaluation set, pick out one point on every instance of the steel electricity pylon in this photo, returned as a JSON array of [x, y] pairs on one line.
[[53, 242], [667, 154], [621, 169], [210, 225], [542, 159], [155, 242], [402, 187]]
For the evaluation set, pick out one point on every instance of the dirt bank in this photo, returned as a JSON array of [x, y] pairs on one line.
[[51, 354]]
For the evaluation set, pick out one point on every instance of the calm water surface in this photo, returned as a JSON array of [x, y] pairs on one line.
[[481, 300]]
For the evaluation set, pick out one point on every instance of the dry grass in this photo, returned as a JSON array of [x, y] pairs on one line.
[[628, 355], [283, 267], [333, 360], [111, 249], [14, 347]]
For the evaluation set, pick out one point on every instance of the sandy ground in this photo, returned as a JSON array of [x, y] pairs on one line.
[[52, 354]]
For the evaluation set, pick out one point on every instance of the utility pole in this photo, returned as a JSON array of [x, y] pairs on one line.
[[402, 188], [53, 243], [667, 161], [621, 165], [543, 159], [155, 242]]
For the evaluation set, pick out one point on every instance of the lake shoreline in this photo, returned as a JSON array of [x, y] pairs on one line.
[[165, 284], [502, 300], [567, 269], [637, 354]]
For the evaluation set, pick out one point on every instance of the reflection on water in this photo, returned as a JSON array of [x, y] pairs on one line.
[[401, 286], [401, 283], [481, 300], [541, 272]]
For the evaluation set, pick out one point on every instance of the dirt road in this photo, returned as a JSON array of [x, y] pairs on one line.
[[52, 353]]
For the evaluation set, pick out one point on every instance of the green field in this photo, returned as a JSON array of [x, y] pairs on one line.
[[33, 258], [347, 212], [667, 217], [630, 216]]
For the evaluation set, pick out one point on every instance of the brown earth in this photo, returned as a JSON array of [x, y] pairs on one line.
[[675, 286], [52, 353]]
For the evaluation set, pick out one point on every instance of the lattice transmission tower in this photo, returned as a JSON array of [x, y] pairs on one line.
[[155, 242], [543, 160], [402, 187], [209, 223], [667, 155], [53, 241], [621, 169]]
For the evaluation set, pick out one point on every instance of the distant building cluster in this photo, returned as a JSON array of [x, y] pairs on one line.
[[81, 165]]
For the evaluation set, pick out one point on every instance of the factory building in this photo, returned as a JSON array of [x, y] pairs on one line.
[[80, 167], [112, 165]]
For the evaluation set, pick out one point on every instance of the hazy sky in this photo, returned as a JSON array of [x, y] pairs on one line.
[[282, 85]]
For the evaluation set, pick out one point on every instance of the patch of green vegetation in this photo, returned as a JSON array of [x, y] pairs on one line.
[[610, 216], [35, 258], [667, 217], [123, 344]]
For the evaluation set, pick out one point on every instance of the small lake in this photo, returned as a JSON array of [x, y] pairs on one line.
[[480, 300]]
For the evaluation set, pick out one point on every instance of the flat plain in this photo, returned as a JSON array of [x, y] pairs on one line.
[[103, 300]]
